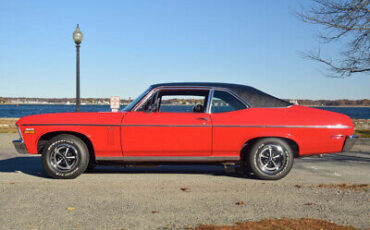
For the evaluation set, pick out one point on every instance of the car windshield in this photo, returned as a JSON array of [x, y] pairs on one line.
[[134, 102]]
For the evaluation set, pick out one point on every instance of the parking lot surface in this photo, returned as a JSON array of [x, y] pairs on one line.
[[179, 196]]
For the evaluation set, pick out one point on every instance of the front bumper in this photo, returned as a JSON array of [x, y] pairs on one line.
[[349, 142], [20, 146]]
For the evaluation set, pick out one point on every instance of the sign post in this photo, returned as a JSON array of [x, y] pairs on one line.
[[115, 103]]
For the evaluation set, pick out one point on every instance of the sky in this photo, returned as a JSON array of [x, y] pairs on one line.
[[129, 45]]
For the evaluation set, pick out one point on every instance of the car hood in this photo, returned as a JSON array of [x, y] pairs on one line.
[[103, 118]]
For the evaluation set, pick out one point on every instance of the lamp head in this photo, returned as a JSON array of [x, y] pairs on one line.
[[77, 35]]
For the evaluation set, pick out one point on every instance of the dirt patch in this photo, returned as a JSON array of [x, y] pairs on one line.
[[185, 189], [280, 224], [357, 187]]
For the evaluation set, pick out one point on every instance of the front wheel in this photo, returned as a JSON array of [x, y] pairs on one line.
[[270, 159], [65, 157]]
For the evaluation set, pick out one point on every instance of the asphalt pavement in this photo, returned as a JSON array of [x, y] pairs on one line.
[[178, 196]]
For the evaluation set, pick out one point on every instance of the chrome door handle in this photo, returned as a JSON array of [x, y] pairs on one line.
[[203, 118]]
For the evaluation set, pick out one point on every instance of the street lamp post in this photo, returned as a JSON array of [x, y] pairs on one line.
[[77, 37]]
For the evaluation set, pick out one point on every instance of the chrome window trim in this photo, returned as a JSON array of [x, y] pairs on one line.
[[124, 109], [164, 88], [210, 96], [142, 101], [195, 87], [241, 100]]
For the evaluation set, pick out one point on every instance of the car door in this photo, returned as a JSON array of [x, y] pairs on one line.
[[226, 117], [171, 123]]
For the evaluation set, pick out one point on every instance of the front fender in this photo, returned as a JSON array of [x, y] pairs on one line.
[[31, 140]]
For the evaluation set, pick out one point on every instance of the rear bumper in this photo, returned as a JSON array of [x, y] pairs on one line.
[[20, 146], [349, 142]]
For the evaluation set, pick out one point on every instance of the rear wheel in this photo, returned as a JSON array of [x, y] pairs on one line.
[[65, 157], [270, 159]]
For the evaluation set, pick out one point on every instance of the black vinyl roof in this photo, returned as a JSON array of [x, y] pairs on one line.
[[254, 97]]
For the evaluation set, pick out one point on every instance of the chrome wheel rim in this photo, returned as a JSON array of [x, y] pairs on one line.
[[271, 158], [64, 157]]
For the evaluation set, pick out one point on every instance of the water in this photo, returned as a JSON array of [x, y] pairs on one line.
[[352, 112], [25, 110]]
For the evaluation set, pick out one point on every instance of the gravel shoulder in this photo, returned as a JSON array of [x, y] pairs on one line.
[[178, 196]]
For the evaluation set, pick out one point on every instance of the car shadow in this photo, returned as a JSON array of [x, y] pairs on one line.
[[31, 165], [215, 170]]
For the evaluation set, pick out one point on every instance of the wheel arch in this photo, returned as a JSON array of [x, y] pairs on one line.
[[249, 143], [45, 138]]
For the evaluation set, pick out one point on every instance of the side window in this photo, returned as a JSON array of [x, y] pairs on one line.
[[183, 101], [225, 102]]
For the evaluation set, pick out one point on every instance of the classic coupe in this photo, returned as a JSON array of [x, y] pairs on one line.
[[193, 123]]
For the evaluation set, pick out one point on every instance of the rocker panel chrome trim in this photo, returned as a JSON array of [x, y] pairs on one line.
[[168, 159]]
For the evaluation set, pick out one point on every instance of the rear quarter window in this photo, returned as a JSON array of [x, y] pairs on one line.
[[225, 102]]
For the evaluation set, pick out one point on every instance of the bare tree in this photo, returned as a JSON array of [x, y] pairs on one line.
[[346, 21]]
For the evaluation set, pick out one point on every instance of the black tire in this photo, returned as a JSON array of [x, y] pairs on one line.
[[65, 157], [270, 159]]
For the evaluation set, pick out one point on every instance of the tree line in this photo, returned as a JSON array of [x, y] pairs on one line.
[[342, 102]]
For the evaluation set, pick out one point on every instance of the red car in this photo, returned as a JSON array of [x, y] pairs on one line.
[[187, 122]]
